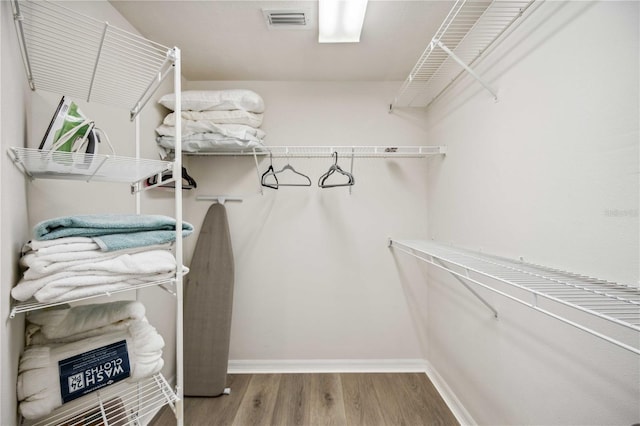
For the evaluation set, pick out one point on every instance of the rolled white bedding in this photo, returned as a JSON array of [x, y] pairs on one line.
[[68, 324], [219, 117], [190, 127], [38, 385]]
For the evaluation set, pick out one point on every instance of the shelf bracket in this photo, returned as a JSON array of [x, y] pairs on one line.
[[438, 263], [467, 68]]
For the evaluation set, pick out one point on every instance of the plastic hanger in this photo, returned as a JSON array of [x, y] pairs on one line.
[[335, 168], [289, 167], [270, 172], [188, 181]]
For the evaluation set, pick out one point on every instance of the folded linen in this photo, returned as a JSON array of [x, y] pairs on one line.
[[210, 142], [190, 127], [38, 385], [39, 265], [215, 100], [60, 245], [135, 267], [66, 321], [220, 117], [113, 231], [63, 291]]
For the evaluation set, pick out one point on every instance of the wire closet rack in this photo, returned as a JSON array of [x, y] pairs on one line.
[[67, 52], [75, 55], [34, 305], [38, 164], [118, 404], [328, 151], [599, 304], [468, 31]]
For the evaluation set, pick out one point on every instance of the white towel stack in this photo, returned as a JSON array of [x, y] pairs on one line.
[[71, 268], [55, 335], [214, 120]]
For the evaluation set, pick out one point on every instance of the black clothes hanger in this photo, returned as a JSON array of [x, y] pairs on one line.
[[270, 172], [187, 183], [289, 167], [335, 168]]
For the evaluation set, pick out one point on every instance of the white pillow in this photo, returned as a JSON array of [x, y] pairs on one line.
[[190, 127], [216, 100], [219, 117]]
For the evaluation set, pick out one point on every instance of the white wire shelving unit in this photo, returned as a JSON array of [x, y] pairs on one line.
[[75, 55], [119, 404], [38, 164], [466, 34], [389, 151], [604, 309], [34, 305]]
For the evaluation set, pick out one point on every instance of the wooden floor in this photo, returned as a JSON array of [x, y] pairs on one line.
[[370, 399]]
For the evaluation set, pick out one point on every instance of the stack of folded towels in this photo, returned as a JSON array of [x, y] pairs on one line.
[[55, 335], [73, 257], [214, 120]]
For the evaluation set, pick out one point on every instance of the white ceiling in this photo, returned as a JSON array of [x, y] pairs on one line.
[[230, 40]]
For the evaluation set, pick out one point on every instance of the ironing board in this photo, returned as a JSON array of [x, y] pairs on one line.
[[208, 299]]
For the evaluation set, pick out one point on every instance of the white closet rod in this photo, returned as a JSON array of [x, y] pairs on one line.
[[389, 151]]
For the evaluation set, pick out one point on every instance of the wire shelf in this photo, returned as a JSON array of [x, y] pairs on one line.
[[73, 54], [119, 404], [34, 305], [469, 29], [343, 151], [612, 302], [39, 164]]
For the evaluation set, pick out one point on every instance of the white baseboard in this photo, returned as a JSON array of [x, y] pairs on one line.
[[450, 398], [327, 366]]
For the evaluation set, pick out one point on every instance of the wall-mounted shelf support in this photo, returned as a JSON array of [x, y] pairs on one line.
[[468, 69], [607, 310]]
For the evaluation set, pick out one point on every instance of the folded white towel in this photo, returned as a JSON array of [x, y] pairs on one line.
[[127, 268], [70, 288], [65, 321], [39, 265], [59, 244], [38, 374]]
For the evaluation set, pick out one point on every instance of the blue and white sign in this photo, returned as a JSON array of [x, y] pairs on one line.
[[90, 371]]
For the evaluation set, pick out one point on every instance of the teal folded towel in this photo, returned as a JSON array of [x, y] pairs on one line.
[[113, 231]]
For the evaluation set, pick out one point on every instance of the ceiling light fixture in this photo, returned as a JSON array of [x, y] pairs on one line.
[[340, 21]]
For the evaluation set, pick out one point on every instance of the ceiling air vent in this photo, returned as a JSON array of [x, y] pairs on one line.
[[286, 19]]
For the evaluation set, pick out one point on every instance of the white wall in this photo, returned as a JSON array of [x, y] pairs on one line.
[[314, 279], [550, 173], [13, 206]]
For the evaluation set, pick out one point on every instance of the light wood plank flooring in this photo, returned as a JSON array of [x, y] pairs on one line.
[[353, 399]]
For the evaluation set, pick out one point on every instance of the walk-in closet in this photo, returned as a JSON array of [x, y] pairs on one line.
[[230, 212]]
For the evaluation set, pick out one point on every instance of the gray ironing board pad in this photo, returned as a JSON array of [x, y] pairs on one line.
[[208, 299]]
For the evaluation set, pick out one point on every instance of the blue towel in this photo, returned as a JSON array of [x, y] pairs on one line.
[[113, 231]]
